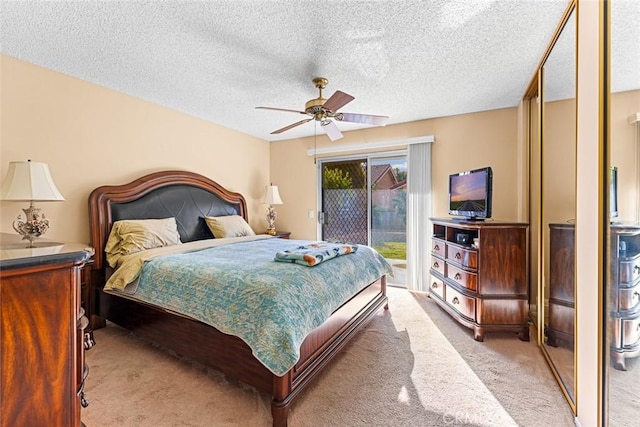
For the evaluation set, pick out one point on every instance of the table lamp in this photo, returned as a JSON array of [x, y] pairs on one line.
[[272, 198], [32, 182]]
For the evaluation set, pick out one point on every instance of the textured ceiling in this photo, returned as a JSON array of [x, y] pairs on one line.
[[218, 59]]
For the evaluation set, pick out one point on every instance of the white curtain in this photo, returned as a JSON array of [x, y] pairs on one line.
[[418, 214]]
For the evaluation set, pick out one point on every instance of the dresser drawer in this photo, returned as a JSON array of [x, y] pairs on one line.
[[437, 264], [464, 257], [630, 269], [463, 278], [629, 298], [436, 286], [462, 304], [630, 332], [438, 247]]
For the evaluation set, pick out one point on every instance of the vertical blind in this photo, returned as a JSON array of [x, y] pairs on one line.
[[418, 214]]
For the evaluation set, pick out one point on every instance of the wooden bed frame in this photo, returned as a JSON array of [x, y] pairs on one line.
[[188, 197]]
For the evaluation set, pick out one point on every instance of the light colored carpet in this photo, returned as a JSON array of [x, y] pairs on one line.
[[624, 394], [563, 358], [411, 366]]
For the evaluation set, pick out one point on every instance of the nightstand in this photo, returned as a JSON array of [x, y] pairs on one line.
[[42, 332], [282, 234]]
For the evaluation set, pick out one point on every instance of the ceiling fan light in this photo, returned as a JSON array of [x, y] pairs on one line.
[[332, 131]]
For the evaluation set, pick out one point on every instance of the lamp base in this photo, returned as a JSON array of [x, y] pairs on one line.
[[271, 221], [34, 226]]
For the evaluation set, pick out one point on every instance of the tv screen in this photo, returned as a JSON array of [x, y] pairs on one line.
[[470, 193], [613, 192]]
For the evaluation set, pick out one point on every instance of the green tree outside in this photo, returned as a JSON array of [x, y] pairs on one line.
[[336, 179]]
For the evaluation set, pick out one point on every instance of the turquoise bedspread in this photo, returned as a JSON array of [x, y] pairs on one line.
[[240, 290]]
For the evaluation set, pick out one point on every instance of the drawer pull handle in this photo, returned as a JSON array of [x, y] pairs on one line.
[[434, 285], [636, 295], [83, 397], [458, 256], [436, 248], [436, 265], [455, 300], [458, 276], [636, 268], [83, 400]]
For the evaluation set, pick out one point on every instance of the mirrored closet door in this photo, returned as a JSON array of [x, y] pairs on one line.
[[550, 105], [622, 290], [558, 204]]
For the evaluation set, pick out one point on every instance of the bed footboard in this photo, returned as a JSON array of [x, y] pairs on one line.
[[323, 344]]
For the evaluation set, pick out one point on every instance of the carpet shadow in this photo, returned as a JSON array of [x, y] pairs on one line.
[[371, 382], [514, 371]]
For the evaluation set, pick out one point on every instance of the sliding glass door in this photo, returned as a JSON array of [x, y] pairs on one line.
[[363, 200], [388, 234]]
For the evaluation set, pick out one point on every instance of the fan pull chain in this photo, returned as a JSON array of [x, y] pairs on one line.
[[315, 132]]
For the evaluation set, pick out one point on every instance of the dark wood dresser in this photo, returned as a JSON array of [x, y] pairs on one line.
[[624, 290], [479, 274], [560, 329], [42, 333]]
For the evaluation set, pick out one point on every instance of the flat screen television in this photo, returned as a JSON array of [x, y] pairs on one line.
[[470, 194], [613, 192]]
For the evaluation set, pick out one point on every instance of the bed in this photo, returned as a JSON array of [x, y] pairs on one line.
[[189, 198]]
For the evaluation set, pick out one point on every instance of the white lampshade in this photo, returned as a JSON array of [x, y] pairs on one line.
[[273, 196], [28, 181]]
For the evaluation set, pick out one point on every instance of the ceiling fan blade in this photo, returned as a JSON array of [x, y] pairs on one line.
[[337, 100], [362, 118], [280, 109], [331, 130], [291, 126]]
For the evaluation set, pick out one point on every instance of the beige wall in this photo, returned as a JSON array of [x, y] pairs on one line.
[[625, 153], [92, 136], [559, 162], [463, 142]]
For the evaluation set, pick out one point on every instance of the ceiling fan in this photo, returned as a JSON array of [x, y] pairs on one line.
[[323, 110]]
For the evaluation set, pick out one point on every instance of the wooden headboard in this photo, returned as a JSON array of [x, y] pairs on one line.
[[187, 196]]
